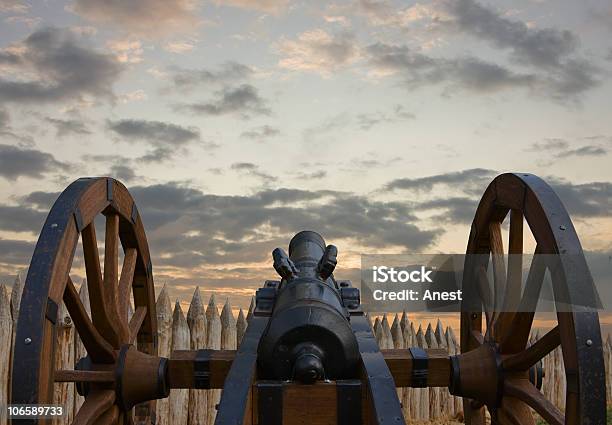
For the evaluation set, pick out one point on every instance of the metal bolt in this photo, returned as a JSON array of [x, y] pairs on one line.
[[589, 342], [562, 227], [27, 341]]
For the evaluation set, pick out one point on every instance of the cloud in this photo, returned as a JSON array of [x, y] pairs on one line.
[[198, 234], [549, 144], [471, 181], [60, 69], [416, 69], [115, 166], [467, 186], [318, 51], [542, 61], [13, 6], [243, 101], [588, 200], [384, 13], [550, 50], [126, 50], [314, 175], [68, 127], [228, 72], [260, 134], [452, 210], [132, 96], [273, 7], [327, 126], [189, 228], [589, 150], [179, 47], [40, 200], [369, 120], [152, 18], [218, 235], [584, 200], [164, 138], [560, 148], [602, 15], [15, 252], [124, 173], [21, 219], [540, 47], [6, 132], [25, 20], [250, 169], [4, 119], [378, 11], [369, 160], [16, 162]]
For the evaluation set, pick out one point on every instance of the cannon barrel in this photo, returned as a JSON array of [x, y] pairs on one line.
[[309, 336]]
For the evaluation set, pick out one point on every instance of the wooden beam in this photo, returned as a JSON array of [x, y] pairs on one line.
[[400, 365], [181, 367]]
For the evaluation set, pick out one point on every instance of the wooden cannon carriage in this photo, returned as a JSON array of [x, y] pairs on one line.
[[335, 376]]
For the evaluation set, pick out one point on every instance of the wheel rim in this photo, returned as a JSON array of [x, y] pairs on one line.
[[525, 197], [48, 284]]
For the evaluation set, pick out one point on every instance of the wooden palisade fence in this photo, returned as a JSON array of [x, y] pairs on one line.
[[205, 327]]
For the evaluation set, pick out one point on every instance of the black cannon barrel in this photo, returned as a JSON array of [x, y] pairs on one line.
[[309, 336], [306, 249]]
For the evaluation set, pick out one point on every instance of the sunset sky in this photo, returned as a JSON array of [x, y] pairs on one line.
[[237, 123]]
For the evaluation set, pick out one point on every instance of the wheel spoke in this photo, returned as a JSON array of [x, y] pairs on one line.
[[136, 322], [499, 268], [94, 407], [98, 301], [477, 336], [125, 282], [525, 359], [111, 274], [111, 255], [485, 290], [512, 295], [524, 391], [515, 412], [84, 376], [97, 347], [515, 338], [485, 293], [111, 416]]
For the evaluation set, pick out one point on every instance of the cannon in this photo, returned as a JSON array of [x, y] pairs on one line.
[[308, 354]]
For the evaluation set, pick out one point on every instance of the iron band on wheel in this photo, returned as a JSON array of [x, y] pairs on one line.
[[419, 367]]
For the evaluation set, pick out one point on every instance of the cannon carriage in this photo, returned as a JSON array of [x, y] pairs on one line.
[[308, 354]]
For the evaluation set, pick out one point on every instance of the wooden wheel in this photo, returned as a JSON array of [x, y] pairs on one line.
[[109, 338], [494, 364]]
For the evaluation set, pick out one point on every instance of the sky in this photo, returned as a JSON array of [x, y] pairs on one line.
[[236, 124]]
